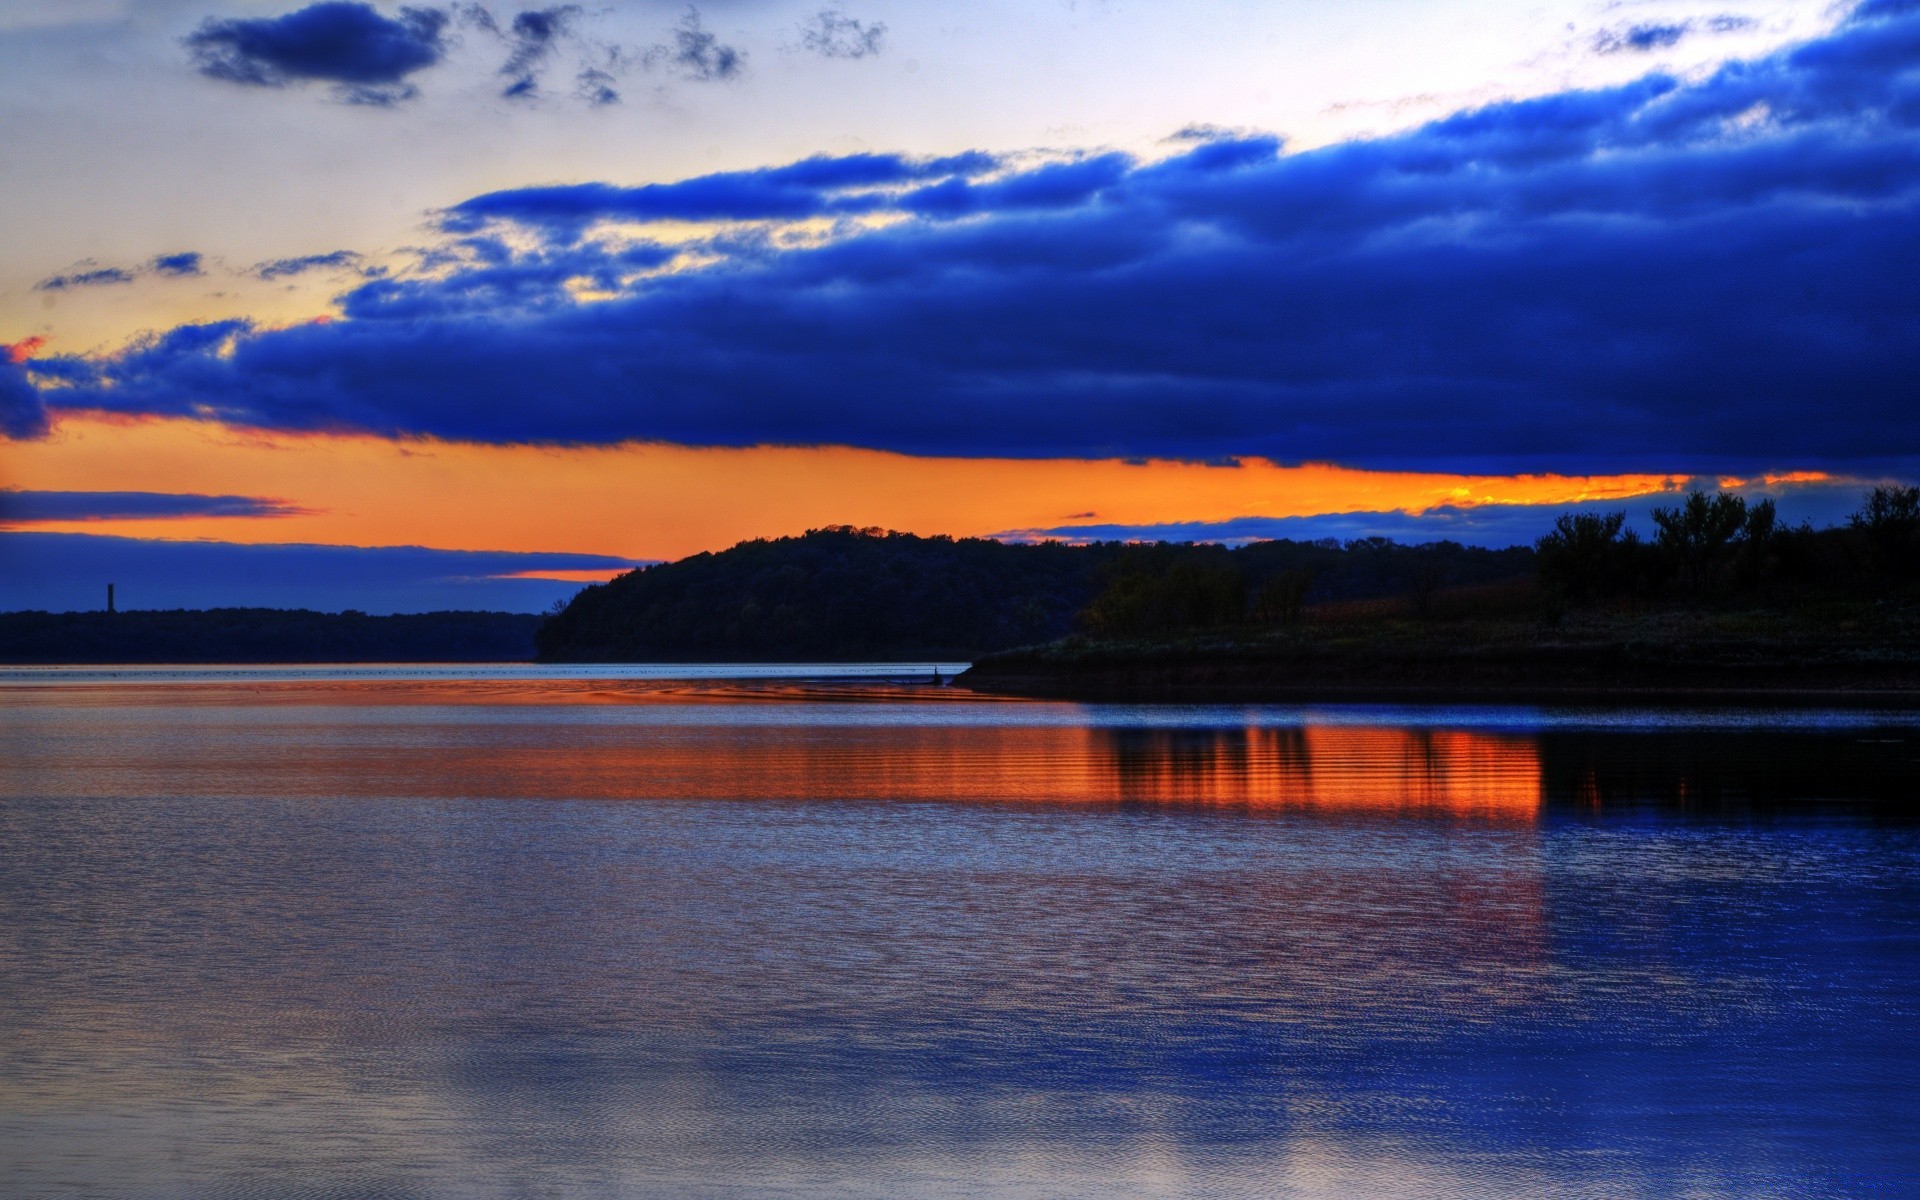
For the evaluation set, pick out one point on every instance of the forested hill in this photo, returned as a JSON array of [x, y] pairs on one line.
[[833, 594], [849, 594]]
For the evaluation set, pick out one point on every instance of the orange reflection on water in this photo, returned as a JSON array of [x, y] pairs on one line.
[[1415, 846], [1335, 768], [1455, 775], [668, 741]]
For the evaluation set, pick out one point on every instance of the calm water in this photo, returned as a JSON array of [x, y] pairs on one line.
[[514, 932]]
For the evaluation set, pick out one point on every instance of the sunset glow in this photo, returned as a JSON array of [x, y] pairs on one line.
[[661, 501]]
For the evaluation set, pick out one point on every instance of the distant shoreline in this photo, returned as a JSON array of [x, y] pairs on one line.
[[239, 636]]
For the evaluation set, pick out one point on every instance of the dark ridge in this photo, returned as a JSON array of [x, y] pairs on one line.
[[843, 594], [243, 635], [833, 594]]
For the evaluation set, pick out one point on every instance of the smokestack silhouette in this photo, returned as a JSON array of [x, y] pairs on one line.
[[109, 597]]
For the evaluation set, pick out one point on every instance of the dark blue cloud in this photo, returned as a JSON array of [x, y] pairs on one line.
[[1055, 185], [832, 34], [696, 53], [1666, 275], [282, 268], [1658, 35], [534, 33], [813, 187], [18, 507], [1640, 39], [88, 277], [67, 571], [535, 38], [595, 87], [351, 45], [23, 414], [183, 264]]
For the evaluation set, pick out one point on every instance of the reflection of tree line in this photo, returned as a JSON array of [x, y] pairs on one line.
[[1378, 768], [1732, 770], [1496, 776]]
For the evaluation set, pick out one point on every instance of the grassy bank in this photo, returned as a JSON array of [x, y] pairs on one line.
[[1833, 651]]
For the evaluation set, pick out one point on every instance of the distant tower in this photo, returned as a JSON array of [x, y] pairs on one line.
[[109, 597]]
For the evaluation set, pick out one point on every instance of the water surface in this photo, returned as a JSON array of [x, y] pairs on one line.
[[818, 932]]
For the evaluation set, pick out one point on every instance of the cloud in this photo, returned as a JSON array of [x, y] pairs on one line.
[[64, 571], [284, 268], [813, 187], [178, 265], [1640, 39], [1494, 526], [832, 34], [23, 414], [87, 277], [1658, 35], [695, 53], [595, 87], [535, 38], [18, 507], [533, 34], [367, 56], [1820, 502], [184, 265], [1665, 275]]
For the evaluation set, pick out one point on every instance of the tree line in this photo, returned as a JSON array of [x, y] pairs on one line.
[[1721, 548], [844, 593], [1706, 549]]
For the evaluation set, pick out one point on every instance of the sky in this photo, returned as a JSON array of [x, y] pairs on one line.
[[497, 300]]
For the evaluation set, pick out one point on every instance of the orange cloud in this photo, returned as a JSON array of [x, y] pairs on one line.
[[599, 576], [22, 350], [1731, 482]]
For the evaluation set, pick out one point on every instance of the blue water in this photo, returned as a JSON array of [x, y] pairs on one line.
[[460, 932]]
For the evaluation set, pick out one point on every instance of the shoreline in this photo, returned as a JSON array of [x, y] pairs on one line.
[[1153, 690], [1689, 663]]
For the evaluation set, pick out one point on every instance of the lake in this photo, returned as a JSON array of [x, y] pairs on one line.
[[839, 932]]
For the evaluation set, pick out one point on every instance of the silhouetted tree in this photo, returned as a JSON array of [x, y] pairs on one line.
[[1889, 523], [1587, 556], [1706, 537]]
